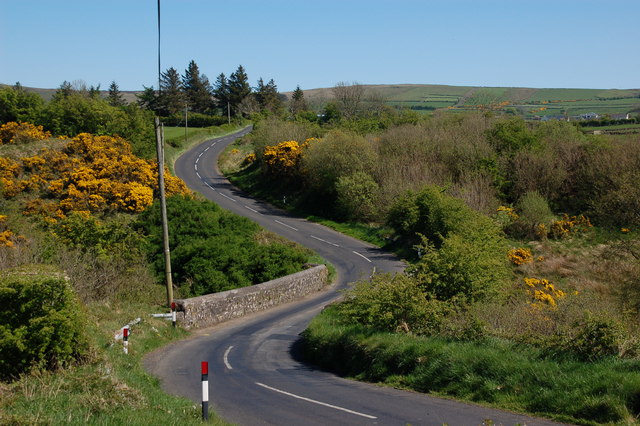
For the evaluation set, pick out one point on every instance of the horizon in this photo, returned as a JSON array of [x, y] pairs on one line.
[[495, 43]]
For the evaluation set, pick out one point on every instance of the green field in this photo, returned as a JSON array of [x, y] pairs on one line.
[[528, 102]]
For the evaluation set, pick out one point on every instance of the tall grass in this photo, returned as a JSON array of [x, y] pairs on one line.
[[494, 372]]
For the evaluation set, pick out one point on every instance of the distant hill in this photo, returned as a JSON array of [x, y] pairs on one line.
[[528, 102], [47, 94]]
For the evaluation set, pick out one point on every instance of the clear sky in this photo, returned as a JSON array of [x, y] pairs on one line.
[[514, 43]]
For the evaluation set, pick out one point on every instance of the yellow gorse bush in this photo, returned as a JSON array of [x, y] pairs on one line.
[[542, 292], [15, 133], [90, 174], [7, 237], [570, 225], [520, 256]]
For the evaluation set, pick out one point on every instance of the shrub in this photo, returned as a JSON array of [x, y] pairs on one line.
[[357, 196], [597, 337], [463, 268], [214, 250], [41, 325], [462, 252], [393, 303], [18, 133]]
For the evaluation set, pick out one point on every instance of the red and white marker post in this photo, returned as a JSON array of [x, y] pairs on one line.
[[205, 390], [173, 314], [125, 340]]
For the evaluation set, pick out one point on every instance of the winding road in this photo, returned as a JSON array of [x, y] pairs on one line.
[[254, 376]]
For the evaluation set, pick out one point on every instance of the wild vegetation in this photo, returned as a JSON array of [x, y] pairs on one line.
[[522, 237], [78, 242]]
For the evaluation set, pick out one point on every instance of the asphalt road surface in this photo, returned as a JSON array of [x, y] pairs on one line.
[[255, 377]]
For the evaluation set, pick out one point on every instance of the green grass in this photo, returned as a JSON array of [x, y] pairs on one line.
[[373, 234], [494, 372], [112, 388]]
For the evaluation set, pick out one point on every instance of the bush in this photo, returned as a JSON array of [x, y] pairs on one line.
[[357, 196], [462, 252], [392, 303], [214, 250], [597, 337], [535, 216], [41, 325]]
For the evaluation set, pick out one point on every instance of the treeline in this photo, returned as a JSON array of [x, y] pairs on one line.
[[227, 97], [486, 161], [76, 109]]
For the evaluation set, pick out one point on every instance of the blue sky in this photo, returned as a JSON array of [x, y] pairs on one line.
[[515, 43]]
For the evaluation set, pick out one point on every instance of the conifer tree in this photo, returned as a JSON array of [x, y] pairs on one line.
[[197, 89], [171, 99], [298, 102], [221, 93], [115, 96], [238, 88]]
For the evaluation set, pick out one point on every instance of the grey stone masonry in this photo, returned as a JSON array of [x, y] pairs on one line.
[[211, 309]]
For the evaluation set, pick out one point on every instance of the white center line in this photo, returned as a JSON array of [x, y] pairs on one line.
[[284, 224], [198, 174], [324, 241], [196, 166], [335, 407], [226, 196], [225, 358], [253, 210], [212, 188], [368, 260]]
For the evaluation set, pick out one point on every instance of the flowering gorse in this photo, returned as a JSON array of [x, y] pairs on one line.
[[90, 174], [520, 256], [543, 293], [16, 133]]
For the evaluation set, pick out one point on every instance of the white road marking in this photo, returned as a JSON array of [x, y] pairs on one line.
[[253, 210], [207, 149], [335, 407], [324, 241], [284, 224], [212, 188], [227, 197], [198, 174], [225, 358], [368, 260], [196, 166]]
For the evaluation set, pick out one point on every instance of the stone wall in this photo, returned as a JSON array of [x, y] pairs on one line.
[[211, 309]]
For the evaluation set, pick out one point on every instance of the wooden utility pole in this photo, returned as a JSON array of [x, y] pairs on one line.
[[163, 209]]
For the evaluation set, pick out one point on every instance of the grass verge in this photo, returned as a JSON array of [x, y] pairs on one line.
[[493, 372], [112, 388]]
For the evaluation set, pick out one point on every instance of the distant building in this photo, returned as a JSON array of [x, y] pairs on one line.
[[626, 116], [553, 117], [589, 116]]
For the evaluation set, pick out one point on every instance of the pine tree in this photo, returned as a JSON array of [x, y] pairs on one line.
[[171, 99], [148, 99], [197, 89], [268, 97], [298, 102], [115, 96], [238, 88], [221, 93]]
